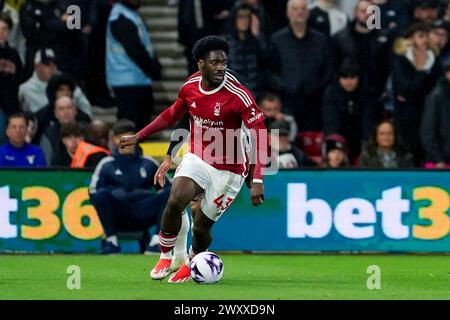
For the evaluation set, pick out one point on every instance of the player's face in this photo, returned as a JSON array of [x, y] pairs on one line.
[[214, 67]]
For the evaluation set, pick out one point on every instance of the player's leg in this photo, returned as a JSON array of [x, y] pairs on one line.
[[201, 239], [183, 190]]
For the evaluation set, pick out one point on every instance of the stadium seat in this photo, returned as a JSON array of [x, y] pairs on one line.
[[311, 144]]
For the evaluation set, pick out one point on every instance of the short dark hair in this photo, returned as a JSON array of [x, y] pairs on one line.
[[7, 19], [427, 4], [204, 46], [17, 115], [71, 129], [123, 126], [418, 27]]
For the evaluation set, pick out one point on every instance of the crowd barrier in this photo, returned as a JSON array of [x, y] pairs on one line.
[[316, 210]]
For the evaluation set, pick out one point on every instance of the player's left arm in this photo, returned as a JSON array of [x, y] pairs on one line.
[[253, 119]]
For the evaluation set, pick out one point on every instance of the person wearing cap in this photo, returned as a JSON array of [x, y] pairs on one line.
[[435, 128], [10, 75], [32, 93], [123, 192], [414, 75], [131, 63], [287, 155], [334, 154], [349, 109]]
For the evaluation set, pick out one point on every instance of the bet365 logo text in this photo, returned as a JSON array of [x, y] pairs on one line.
[[47, 213], [356, 218]]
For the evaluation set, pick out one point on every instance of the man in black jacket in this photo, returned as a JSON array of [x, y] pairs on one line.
[[42, 25], [10, 75], [368, 47], [435, 129], [301, 67], [348, 109]]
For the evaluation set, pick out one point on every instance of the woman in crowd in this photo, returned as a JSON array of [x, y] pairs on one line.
[[335, 152], [384, 149]]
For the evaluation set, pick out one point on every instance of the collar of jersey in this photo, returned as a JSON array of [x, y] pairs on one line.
[[214, 90]]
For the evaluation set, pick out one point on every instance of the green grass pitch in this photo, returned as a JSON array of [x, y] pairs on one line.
[[249, 277]]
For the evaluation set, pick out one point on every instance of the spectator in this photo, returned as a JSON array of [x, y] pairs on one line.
[[335, 152], [10, 75], [384, 149], [439, 42], [60, 85], [79, 154], [288, 156], [32, 93], [42, 23], [95, 73], [301, 67], [31, 127], [369, 48], [193, 25], [123, 192], [247, 53], [426, 11], [16, 38], [260, 21], [326, 18], [348, 109], [17, 152], [435, 129], [65, 112], [276, 14], [132, 65], [414, 75], [98, 134], [270, 105], [75, 41], [395, 15]]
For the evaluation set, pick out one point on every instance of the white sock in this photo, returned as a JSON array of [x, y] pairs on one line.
[[181, 243], [167, 255], [113, 240], [155, 240]]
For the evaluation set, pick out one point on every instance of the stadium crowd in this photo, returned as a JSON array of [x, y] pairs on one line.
[[344, 87]]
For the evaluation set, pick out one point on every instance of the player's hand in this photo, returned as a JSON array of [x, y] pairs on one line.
[[249, 179], [126, 141], [160, 175], [257, 194]]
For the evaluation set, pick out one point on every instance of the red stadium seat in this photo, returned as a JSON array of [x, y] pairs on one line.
[[311, 144]]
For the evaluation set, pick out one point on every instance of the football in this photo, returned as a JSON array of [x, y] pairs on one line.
[[206, 268]]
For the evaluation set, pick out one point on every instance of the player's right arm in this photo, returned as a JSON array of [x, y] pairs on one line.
[[165, 120]]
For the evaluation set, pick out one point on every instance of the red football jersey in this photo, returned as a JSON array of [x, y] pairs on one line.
[[219, 121]]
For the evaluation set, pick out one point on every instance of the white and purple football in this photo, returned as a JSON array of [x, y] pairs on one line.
[[206, 268]]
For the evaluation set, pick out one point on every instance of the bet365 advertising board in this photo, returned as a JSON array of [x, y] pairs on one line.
[[367, 211]]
